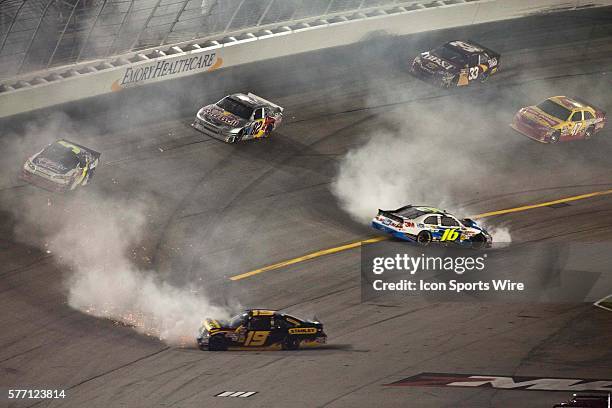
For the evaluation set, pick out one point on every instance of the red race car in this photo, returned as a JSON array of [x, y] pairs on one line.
[[559, 119]]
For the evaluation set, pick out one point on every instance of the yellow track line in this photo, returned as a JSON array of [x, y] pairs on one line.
[[383, 238], [307, 257], [546, 204]]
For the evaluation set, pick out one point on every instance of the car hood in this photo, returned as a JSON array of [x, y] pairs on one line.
[[537, 116], [222, 118], [434, 62], [51, 165]]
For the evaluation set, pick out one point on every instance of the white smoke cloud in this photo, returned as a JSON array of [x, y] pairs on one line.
[[95, 240], [97, 235], [419, 156]]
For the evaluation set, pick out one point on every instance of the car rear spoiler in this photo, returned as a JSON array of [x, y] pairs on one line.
[[488, 50], [87, 149], [392, 213], [260, 99]]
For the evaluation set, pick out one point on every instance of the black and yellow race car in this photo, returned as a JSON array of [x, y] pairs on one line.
[[260, 329]]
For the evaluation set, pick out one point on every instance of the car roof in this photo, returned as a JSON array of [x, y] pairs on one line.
[[247, 100], [568, 103], [432, 210], [463, 50]]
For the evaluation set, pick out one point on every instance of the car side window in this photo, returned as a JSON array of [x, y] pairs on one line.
[[259, 113], [474, 60], [588, 115], [577, 116], [431, 220], [259, 323], [449, 222], [280, 323]]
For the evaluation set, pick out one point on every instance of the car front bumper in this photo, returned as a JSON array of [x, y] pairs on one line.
[[44, 182], [213, 131], [532, 131]]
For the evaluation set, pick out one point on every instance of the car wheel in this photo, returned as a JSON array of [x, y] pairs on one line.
[[588, 133], [291, 343], [479, 241], [554, 138], [424, 238], [217, 343]]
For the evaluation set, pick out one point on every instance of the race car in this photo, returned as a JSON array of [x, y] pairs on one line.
[[425, 225], [456, 63], [588, 400], [239, 117], [559, 119], [61, 166], [260, 329]]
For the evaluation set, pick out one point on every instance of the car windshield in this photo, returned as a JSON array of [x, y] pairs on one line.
[[236, 321], [61, 154], [449, 54], [554, 109], [236, 107]]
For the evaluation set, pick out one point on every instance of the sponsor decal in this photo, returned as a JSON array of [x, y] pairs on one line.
[[504, 383], [221, 116], [303, 330], [444, 64], [237, 394], [163, 68]]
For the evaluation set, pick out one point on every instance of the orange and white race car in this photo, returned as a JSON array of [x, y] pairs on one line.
[[559, 119]]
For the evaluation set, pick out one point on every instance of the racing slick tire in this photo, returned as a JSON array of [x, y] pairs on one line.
[[291, 343], [479, 241], [217, 343], [424, 238], [554, 138], [237, 138], [588, 133]]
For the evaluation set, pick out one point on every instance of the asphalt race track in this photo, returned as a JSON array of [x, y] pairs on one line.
[[217, 210]]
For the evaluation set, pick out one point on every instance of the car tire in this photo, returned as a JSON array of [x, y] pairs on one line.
[[217, 343], [291, 343], [554, 138], [424, 238], [478, 241], [588, 133]]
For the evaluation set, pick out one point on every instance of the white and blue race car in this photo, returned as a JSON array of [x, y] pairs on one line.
[[425, 225]]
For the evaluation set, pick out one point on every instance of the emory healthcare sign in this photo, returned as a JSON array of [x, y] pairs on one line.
[[189, 64]]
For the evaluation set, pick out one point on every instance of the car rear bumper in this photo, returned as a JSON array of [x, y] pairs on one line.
[[397, 234]]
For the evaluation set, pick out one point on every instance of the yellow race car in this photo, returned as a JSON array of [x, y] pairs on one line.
[[260, 329], [559, 119]]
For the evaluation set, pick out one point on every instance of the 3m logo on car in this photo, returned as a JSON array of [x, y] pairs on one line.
[[450, 235]]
